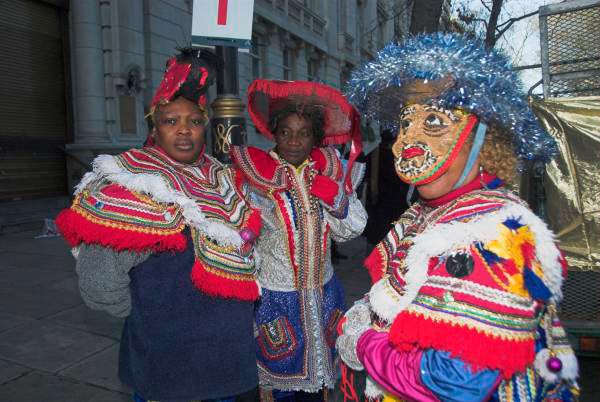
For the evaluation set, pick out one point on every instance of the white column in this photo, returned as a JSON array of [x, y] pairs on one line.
[[88, 73]]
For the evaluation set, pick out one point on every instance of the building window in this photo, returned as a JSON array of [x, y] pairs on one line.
[[312, 68], [314, 5], [346, 69], [287, 65], [256, 58]]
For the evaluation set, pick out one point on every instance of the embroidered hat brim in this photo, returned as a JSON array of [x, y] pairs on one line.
[[268, 96]]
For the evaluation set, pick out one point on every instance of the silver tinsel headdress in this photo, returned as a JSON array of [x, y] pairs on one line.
[[483, 83]]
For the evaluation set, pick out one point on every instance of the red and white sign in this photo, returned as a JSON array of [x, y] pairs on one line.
[[222, 22]]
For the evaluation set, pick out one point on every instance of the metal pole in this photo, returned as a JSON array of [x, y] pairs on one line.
[[228, 122]]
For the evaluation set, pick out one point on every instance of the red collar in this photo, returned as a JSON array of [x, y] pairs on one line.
[[485, 179], [267, 172]]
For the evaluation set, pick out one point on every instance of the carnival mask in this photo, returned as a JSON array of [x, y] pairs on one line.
[[429, 140]]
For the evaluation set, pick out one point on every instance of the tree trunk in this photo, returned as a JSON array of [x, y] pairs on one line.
[[426, 16], [490, 34]]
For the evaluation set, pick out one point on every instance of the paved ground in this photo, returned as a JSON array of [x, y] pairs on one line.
[[54, 349]]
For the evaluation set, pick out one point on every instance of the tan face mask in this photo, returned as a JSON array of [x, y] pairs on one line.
[[428, 141]]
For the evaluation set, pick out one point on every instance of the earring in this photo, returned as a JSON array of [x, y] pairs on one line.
[[483, 183]]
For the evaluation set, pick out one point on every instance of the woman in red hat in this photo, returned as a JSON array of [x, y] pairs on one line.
[[159, 234], [307, 199]]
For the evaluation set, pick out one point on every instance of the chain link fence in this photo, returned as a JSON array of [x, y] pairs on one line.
[[570, 36]]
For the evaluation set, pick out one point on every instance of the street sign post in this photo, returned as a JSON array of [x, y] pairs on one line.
[[222, 22], [227, 25]]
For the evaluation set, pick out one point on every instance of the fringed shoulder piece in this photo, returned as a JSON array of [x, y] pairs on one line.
[[141, 201], [112, 216], [259, 168], [207, 196], [268, 174]]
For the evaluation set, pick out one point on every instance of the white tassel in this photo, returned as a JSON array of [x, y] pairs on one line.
[[372, 390], [570, 368], [541, 358], [569, 371]]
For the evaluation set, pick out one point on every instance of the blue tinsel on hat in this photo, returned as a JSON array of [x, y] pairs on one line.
[[485, 85]]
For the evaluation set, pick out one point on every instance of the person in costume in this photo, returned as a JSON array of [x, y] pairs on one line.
[[467, 282], [307, 198], [163, 237]]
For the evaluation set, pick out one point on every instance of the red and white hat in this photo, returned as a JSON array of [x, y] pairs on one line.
[[341, 119]]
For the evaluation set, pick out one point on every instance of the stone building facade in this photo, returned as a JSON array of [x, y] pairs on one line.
[[106, 58]]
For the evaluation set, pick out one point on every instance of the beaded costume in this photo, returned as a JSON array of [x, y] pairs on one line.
[[303, 209], [301, 299], [465, 286]]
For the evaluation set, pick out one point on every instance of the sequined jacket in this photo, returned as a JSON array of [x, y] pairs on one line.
[[301, 300]]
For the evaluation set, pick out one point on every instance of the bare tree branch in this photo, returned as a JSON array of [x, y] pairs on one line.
[[508, 23], [515, 19], [469, 19], [484, 4]]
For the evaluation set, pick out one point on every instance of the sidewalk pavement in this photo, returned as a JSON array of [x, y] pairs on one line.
[[54, 349]]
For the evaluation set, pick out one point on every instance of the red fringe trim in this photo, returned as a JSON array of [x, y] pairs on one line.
[[218, 286], [473, 347], [76, 229], [375, 265], [313, 92]]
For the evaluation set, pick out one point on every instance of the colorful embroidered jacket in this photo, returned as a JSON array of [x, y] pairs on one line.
[[142, 200], [159, 242], [465, 289], [302, 210]]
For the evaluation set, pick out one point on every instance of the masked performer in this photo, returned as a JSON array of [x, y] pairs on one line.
[[307, 198], [159, 236], [466, 284]]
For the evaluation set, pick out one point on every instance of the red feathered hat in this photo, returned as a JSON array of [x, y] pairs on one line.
[[341, 120], [188, 74]]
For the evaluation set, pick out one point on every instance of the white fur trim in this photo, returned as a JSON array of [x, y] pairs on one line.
[[569, 371], [106, 166], [445, 239], [75, 251], [372, 390]]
